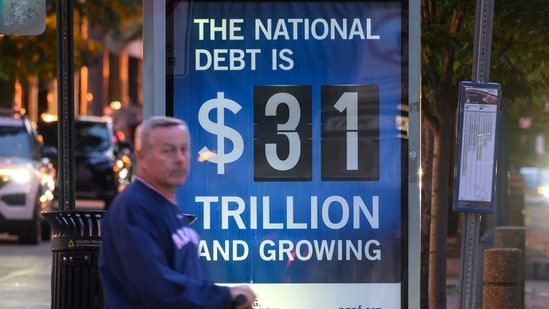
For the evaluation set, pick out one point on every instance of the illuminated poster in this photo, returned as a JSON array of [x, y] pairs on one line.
[[297, 112]]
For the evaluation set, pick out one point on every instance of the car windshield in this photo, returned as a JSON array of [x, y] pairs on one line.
[[15, 142], [91, 136], [535, 177]]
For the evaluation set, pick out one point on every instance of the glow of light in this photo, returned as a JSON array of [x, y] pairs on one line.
[[20, 175], [205, 155], [116, 105]]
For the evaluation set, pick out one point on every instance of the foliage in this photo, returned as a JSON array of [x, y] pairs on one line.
[[523, 54], [520, 49], [25, 56], [115, 17]]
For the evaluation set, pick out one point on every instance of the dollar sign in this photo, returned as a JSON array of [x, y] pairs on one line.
[[221, 131]]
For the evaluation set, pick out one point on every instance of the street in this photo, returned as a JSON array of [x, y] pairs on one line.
[[25, 275], [25, 270]]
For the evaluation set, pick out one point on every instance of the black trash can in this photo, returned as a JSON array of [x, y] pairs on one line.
[[76, 240]]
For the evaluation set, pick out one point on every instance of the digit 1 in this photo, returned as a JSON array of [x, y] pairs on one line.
[[349, 132], [349, 102]]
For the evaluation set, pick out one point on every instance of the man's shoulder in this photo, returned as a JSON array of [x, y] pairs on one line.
[[137, 195], [138, 189]]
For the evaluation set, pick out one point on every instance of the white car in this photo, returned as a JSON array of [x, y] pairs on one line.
[[27, 179], [536, 185]]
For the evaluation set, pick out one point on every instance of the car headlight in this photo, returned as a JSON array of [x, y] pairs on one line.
[[19, 175], [543, 190], [123, 174], [118, 165]]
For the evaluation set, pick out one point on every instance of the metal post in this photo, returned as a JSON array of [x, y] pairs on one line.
[[483, 40], [65, 106], [154, 45], [471, 226], [76, 235], [414, 156]]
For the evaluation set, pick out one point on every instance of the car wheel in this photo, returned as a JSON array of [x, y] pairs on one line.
[[32, 233]]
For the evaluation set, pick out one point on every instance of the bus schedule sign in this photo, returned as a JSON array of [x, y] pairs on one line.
[[479, 105], [298, 113]]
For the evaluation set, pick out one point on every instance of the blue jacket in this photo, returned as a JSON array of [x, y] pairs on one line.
[[149, 256]]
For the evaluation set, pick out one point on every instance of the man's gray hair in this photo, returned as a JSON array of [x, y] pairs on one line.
[[144, 129]]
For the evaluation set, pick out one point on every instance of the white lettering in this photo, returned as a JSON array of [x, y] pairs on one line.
[[235, 250], [290, 212], [206, 202], [183, 236], [232, 31], [329, 250], [335, 213], [327, 218], [372, 217], [226, 59], [267, 224], [317, 29], [235, 213]]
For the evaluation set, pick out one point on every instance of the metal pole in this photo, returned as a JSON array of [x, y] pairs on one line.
[[483, 40], [76, 235], [414, 155], [154, 61], [468, 277], [65, 107]]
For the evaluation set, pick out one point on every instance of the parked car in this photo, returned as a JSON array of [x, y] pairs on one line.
[[103, 162], [27, 179], [536, 185]]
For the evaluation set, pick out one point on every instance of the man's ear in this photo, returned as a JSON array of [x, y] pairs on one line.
[[140, 154]]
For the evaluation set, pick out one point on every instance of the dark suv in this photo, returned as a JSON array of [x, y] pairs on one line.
[[27, 178], [103, 163]]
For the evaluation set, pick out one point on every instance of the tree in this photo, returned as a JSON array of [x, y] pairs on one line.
[[24, 56], [518, 61]]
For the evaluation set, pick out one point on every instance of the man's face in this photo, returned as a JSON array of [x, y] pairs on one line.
[[165, 159]]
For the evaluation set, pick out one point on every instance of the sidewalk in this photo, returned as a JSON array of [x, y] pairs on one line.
[[536, 289]]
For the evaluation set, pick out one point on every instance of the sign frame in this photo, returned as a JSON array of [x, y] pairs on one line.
[[155, 22], [477, 144]]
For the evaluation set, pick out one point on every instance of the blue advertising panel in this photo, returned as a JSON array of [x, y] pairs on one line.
[[298, 117]]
